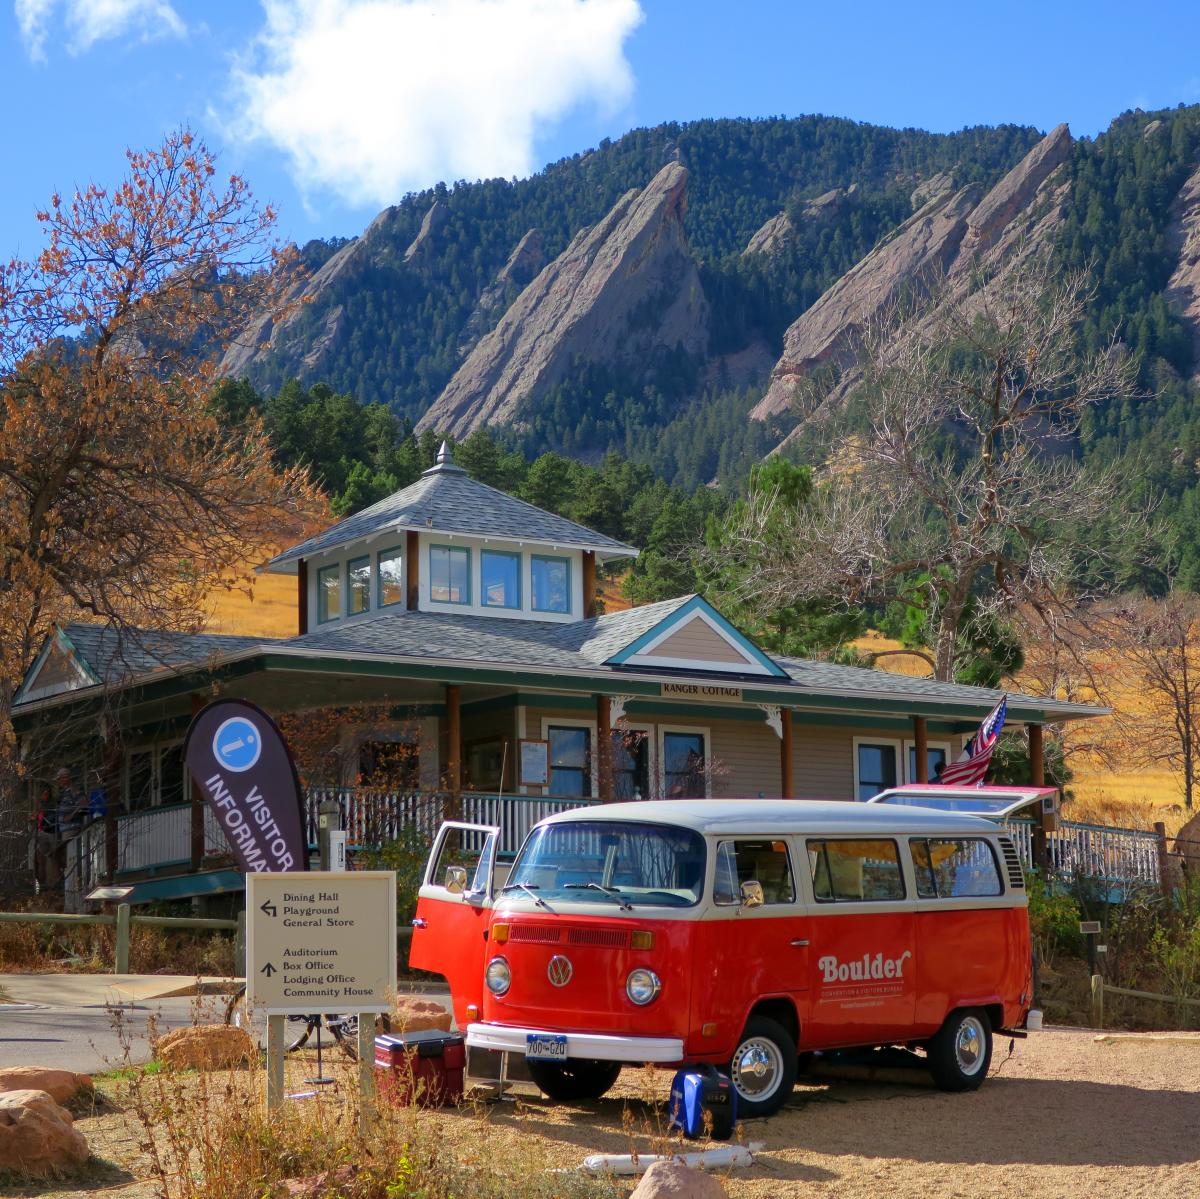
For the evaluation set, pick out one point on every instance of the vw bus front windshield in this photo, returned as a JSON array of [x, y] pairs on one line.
[[612, 864]]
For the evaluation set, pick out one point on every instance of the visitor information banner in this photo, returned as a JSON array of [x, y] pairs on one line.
[[239, 759]]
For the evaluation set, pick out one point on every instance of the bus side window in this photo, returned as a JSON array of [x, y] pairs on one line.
[[855, 871], [923, 869], [766, 862]]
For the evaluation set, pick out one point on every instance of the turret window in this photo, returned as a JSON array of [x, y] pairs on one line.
[[551, 584], [329, 593], [500, 582], [391, 577], [449, 574], [358, 585]]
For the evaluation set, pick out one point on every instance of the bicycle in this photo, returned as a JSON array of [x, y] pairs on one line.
[[298, 1028]]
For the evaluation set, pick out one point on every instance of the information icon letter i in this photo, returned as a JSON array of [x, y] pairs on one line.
[[237, 744]]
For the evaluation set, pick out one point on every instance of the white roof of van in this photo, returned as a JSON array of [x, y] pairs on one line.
[[762, 817]]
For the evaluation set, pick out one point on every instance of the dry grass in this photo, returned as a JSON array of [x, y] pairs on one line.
[[90, 949]]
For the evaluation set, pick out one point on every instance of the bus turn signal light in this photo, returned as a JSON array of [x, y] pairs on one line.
[[642, 940], [499, 934]]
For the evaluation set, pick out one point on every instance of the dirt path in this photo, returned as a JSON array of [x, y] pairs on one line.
[[1063, 1118]]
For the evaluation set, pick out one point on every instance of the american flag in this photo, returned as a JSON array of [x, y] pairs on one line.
[[970, 769]]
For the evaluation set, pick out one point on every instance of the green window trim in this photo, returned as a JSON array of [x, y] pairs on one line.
[[451, 550], [483, 600], [335, 572], [534, 559], [351, 566], [394, 554]]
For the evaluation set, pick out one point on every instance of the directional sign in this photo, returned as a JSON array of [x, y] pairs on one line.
[[321, 941]]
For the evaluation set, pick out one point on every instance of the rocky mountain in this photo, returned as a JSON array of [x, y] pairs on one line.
[[623, 289]]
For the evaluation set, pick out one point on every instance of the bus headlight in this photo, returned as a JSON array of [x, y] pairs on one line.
[[497, 976], [642, 986]]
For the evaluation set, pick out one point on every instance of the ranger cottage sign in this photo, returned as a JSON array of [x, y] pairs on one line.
[[700, 691]]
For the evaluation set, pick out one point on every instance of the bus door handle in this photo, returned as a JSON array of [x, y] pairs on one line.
[[420, 922], [800, 942]]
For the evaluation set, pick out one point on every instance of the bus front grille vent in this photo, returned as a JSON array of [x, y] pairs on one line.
[[540, 934], [614, 938]]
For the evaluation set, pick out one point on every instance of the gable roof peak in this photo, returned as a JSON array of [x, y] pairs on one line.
[[445, 464]]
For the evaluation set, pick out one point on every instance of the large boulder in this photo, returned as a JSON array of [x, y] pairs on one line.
[[671, 1179], [205, 1047], [38, 1136], [417, 1015], [61, 1085]]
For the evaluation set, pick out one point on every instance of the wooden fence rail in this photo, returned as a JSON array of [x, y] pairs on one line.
[[1100, 988]]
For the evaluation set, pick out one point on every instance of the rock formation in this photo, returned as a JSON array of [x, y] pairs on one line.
[[771, 237], [1183, 289], [61, 1085], [433, 220], [36, 1135], [670, 1178], [622, 289], [779, 231], [205, 1047], [528, 257], [930, 189], [952, 236]]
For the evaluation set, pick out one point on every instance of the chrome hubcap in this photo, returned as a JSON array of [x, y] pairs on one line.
[[757, 1068], [969, 1046]]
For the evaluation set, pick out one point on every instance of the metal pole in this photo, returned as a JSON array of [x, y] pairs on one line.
[[239, 945], [1097, 1001], [121, 966], [275, 1061]]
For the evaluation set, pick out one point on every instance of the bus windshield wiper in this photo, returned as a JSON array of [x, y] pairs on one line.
[[529, 889], [611, 892]]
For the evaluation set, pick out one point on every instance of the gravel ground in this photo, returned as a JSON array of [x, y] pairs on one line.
[[1064, 1116]]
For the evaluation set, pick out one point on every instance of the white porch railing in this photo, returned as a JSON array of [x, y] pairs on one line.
[[1116, 855]]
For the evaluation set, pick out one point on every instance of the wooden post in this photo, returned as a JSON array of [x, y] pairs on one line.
[[1037, 778], [197, 812], [121, 965], [787, 781], [604, 747], [1097, 1001], [453, 745], [1164, 860], [302, 597], [412, 570], [921, 738], [366, 1071], [589, 583], [275, 1053]]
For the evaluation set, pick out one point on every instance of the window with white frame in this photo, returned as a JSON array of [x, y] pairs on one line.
[[876, 766], [570, 760], [684, 763], [551, 583], [155, 776], [358, 586], [449, 574], [499, 579], [329, 593], [391, 577], [937, 755], [631, 762]]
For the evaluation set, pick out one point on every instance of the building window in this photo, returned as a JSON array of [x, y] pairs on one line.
[[171, 775], [358, 585], [449, 574], [391, 577], [139, 781], [551, 583], [389, 765], [631, 764], [500, 579], [935, 759], [329, 593], [570, 761], [684, 766], [876, 768]]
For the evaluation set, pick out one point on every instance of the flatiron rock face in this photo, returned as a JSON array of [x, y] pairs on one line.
[[622, 289], [1183, 290]]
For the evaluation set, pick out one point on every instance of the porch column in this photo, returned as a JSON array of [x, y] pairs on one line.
[[787, 786], [589, 583], [604, 754], [112, 790], [302, 597], [921, 737], [1037, 778], [453, 745], [412, 570], [197, 812]]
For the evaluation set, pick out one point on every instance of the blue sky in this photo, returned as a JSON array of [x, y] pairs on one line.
[[333, 108]]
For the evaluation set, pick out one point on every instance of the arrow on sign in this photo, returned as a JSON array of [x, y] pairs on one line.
[[269, 908], [268, 970]]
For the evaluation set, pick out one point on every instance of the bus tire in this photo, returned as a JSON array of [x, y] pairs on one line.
[[961, 1051], [763, 1067], [574, 1079]]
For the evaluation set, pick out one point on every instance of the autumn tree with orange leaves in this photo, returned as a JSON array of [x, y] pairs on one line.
[[123, 500]]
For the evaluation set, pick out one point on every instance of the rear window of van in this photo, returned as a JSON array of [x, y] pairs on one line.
[[955, 868]]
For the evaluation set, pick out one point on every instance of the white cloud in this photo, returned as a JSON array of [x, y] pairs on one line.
[[90, 21], [372, 98]]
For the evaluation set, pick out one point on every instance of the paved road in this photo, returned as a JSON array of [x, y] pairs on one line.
[[85, 1039]]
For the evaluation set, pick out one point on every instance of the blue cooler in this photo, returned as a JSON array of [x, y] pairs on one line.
[[701, 1091]]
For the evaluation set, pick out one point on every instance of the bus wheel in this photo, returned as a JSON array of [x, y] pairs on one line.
[[960, 1052], [763, 1067], [573, 1080]]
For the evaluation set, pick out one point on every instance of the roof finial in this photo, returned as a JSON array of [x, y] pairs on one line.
[[444, 465], [444, 455]]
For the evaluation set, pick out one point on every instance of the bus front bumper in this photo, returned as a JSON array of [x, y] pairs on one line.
[[598, 1046]]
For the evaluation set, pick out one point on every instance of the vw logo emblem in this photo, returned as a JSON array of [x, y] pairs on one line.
[[560, 970]]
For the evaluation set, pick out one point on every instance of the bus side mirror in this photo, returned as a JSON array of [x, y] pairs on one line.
[[752, 893], [456, 879]]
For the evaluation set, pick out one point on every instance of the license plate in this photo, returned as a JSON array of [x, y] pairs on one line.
[[546, 1047]]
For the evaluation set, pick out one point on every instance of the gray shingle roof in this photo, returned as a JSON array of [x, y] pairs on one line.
[[445, 499]]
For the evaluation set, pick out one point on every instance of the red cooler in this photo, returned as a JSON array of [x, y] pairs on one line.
[[425, 1068]]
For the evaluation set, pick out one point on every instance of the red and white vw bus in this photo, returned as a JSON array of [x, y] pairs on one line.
[[738, 932]]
